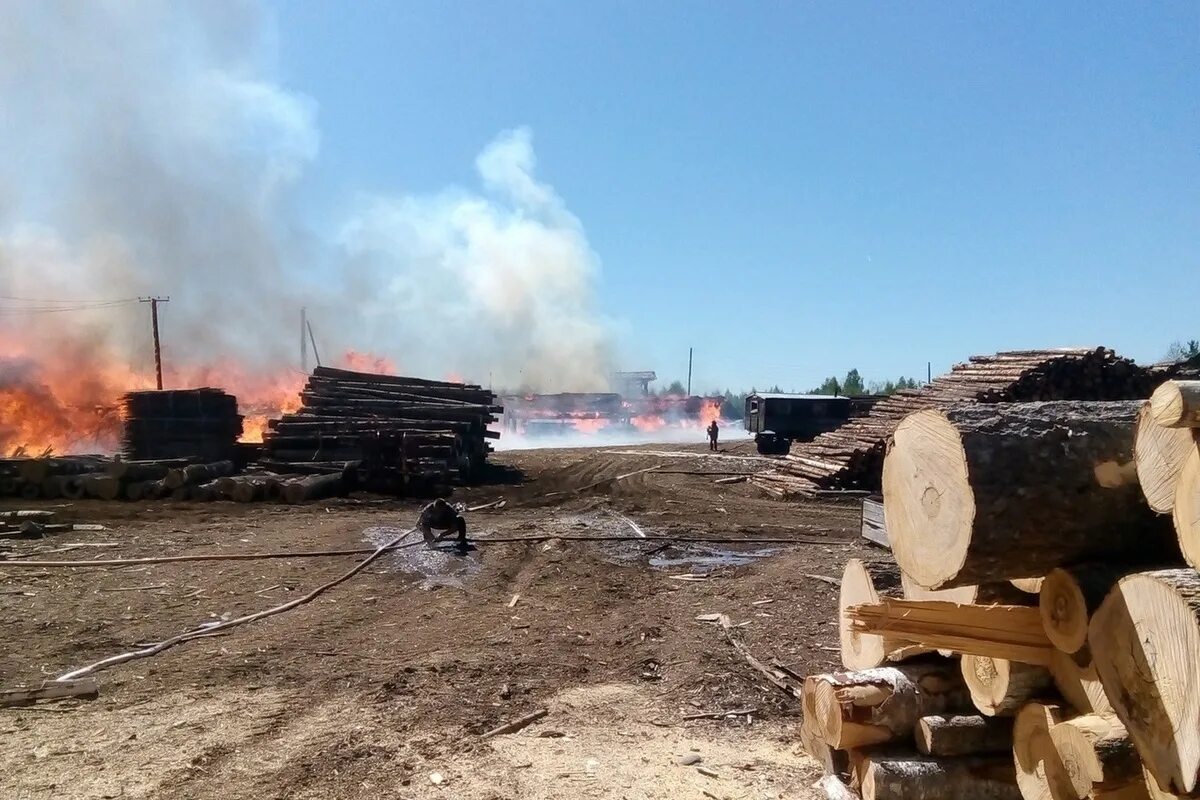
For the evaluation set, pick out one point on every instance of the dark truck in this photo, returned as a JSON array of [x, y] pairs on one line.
[[777, 420]]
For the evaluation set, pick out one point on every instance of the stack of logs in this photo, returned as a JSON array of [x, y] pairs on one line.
[[400, 434], [100, 478], [50, 477], [851, 457], [197, 424], [1037, 634]]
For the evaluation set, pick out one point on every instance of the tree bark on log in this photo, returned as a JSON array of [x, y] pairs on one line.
[[917, 778], [1145, 641], [1176, 404], [1000, 687], [1094, 756], [102, 487], [194, 474], [972, 492], [248, 490], [1160, 454], [963, 735], [866, 582], [1186, 513], [313, 487], [1069, 597], [858, 709], [1031, 745]]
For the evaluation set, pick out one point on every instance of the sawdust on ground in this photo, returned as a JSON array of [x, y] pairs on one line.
[[392, 677]]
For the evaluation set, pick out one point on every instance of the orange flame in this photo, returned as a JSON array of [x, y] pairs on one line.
[[590, 425], [64, 398], [648, 423], [367, 362]]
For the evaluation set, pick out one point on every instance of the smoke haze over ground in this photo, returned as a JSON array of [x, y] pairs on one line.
[[150, 151]]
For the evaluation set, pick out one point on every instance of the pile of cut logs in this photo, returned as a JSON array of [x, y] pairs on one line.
[[398, 433], [851, 457], [1037, 634], [51, 476], [100, 478], [196, 424]]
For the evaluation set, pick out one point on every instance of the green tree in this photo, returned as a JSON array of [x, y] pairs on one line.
[[1179, 351], [676, 388], [853, 383], [829, 386]]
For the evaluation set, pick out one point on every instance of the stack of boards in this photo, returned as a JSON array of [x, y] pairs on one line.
[[196, 424], [398, 432], [1038, 632]]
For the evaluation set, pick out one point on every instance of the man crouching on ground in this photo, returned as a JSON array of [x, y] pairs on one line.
[[441, 516]]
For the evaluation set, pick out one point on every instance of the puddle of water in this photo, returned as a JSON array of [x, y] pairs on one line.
[[440, 565], [709, 556]]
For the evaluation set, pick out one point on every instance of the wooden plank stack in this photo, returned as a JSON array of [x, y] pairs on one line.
[[402, 434], [851, 457], [198, 424], [962, 685]]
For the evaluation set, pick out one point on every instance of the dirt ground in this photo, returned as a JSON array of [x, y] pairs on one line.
[[382, 686]]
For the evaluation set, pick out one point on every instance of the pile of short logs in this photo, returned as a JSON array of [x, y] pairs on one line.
[[1037, 634], [851, 457], [101, 478], [397, 433], [197, 424], [51, 476]]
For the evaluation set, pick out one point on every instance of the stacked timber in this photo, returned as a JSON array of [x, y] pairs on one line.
[[399, 433], [48, 476], [851, 457], [196, 424], [1087, 688]]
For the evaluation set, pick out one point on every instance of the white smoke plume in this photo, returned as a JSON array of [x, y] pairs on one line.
[[149, 150]]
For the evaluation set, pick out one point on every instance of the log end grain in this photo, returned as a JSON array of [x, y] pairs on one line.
[[1186, 509], [1145, 640], [1160, 454], [928, 498]]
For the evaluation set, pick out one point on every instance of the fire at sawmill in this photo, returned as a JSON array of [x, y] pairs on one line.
[[351, 431], [451, 537]]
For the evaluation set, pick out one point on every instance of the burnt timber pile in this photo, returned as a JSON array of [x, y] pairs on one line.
[[198, 424], [1036, 629], [399, 434], [851, 457]]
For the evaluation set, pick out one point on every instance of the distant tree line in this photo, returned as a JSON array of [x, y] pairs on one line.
[[854, 384], [1182, 351]]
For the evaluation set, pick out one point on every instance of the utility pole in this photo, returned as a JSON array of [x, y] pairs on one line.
[[303, 342], [154, 301], [313, 339], [689, 389], [928, 372]]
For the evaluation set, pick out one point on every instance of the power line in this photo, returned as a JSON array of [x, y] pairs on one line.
[[61, 300], [15, 311]]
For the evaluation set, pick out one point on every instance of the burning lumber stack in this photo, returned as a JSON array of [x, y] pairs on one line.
[[965, 686], [402, 434], [851, 457], [195, 424]]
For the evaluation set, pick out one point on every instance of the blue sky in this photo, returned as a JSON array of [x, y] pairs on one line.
[[795, 189]]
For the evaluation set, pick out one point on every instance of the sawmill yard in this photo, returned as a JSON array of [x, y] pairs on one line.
[[387, 684]]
